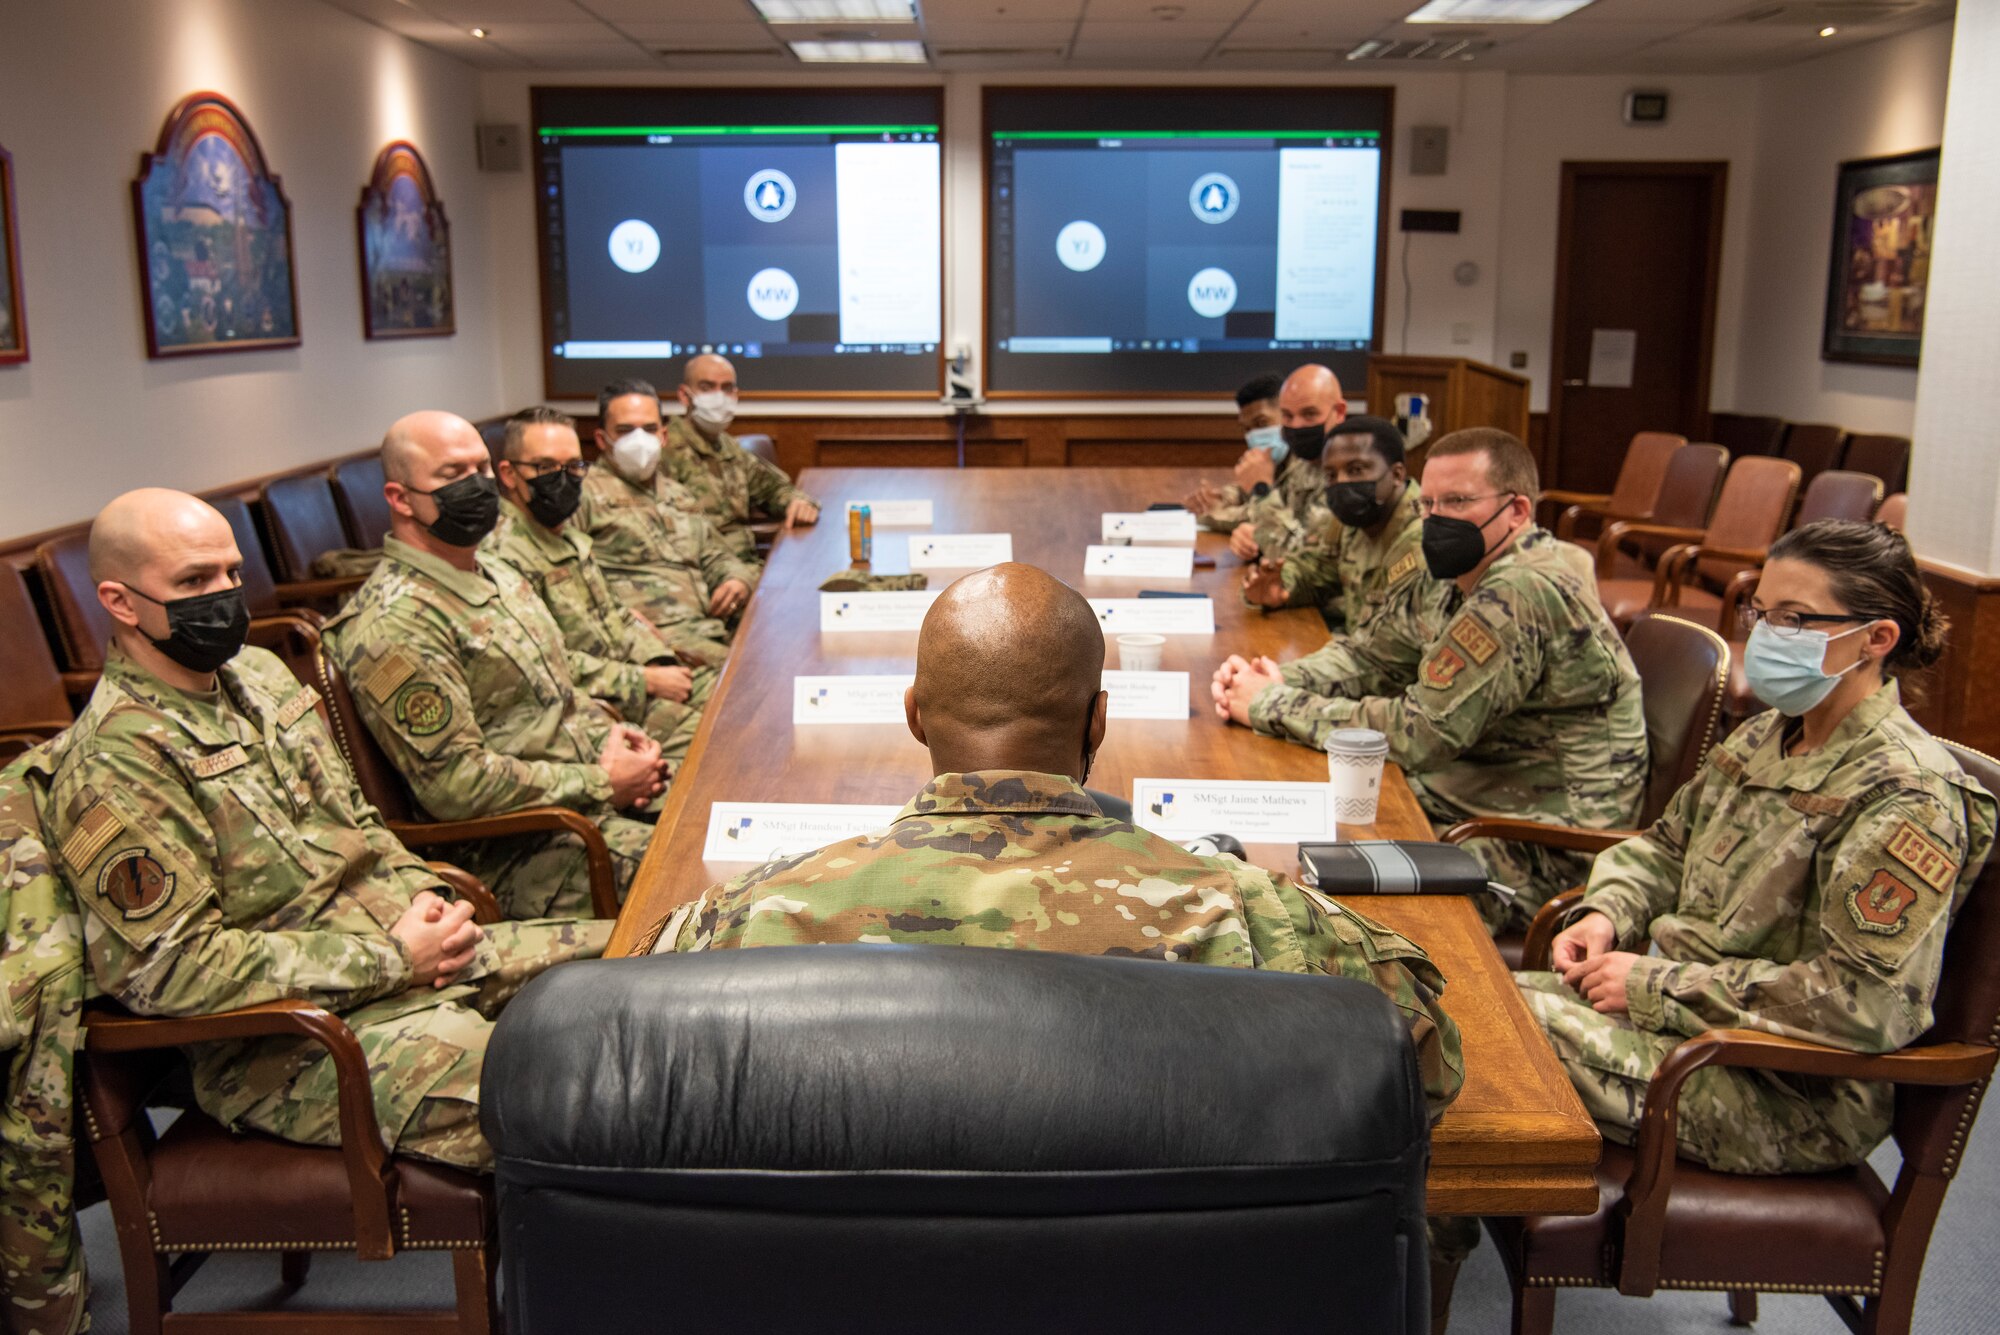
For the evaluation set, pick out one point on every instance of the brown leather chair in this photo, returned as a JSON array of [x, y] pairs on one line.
[[1682, 668], [82, 624], [1687, 495], [264, 595], [297, 641], [1694, 576], [304, 522], [357, 494], [1814, 447], [1633, 496], [1895, 512], [759, 444], [1747, 435], [33, 705], [1885, 457], [1665, 1223]]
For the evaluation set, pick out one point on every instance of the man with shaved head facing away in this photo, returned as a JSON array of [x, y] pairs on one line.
[[464, 679], [732, 484], [223, 856], [1005, 848]]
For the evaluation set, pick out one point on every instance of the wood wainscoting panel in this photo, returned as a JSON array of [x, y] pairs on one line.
[[1955, 699]]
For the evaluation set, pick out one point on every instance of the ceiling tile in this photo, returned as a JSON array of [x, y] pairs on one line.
[[1272, 32], [956, 33], [700, 32], [493, 13], [1126, 55], [1141, 11], [536, 34], [590, 55], [1149, 34], [1365, 16], [1001, 11]]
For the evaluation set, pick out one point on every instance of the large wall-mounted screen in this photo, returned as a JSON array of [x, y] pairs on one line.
[[1181, 241], [798, 231]]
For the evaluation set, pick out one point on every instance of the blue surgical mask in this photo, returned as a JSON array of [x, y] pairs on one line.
[[1788, 672], [1271, 438]]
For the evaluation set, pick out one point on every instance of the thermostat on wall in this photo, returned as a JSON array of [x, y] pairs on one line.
[[1645, 108]]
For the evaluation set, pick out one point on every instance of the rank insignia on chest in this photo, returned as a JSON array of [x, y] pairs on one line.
[[1442, 667], [1879, 905], [135, 883], [1474, 638], [1923, 855], [422, 709]]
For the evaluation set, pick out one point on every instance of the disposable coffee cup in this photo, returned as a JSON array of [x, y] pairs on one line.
[[1141, 653], [1354, 758]]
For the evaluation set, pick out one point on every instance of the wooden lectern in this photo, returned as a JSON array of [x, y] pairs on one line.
[[1463, 393]]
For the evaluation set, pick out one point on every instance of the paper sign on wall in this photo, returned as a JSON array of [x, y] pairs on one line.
[[961, 550], [1138, 562], [1612, 352], [756, 832], [1155, 616], [1149, 526], [849, 699], [896, 514], [1264, 813], [875, 611]]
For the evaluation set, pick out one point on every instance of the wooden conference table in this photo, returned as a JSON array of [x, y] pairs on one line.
[[1516, 1141]]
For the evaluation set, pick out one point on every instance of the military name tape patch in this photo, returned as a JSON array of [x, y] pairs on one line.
[[98, 827], [1474, 638], [1442, 667], [1923, 855], [1405, 566], [1879, 905], [135, 883], [297, 707], [559, 575], [219, 762], [422, 709], [395, 668]]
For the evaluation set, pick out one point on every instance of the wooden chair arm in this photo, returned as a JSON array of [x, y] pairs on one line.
[[1753, 556], [1735, 595], [528, 820], [1532, 832], [466, 886], [1592, 499], [318, 590], [79, 681], [371, 1176], [1619, 529], [1675, 566], [1644, 1208], [1540, 941]]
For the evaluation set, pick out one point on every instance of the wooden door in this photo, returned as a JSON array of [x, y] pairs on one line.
[[1638, 256]]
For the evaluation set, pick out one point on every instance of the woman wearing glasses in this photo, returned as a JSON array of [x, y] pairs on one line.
[[1802, 884]]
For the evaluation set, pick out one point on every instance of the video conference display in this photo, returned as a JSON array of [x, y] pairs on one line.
[[1176, 241], [797, 232]]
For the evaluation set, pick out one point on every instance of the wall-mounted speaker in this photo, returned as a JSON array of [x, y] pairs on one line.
[[499, 148], [1430, 149]]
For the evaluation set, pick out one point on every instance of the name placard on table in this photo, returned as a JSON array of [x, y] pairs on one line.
[[1147, 695], [1143, 562], [756, 832], [849, 699], [1149, 526], [961, 550], [1155, 616], [900, 610], [1266, 813], [896, 514]]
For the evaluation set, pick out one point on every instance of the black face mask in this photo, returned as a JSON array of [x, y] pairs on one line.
[[467, 510], [1454, 547], [1308, 442], [1356, 505], [203, 632], [553, 497]]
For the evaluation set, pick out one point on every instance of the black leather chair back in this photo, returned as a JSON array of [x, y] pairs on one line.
[[928, 1138], [260, 589], [357, 494]]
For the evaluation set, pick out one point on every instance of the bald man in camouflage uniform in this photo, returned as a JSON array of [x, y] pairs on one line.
[[1525, 703], [617, 656], [1004, 848], [731, 485], [660, 554], [463, 679], [223, 856]]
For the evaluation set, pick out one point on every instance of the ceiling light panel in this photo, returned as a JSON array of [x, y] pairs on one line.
[[1496, 11], [860, 53], [837, 11]]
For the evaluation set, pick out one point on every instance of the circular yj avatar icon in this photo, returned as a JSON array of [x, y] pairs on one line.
[[635, 246], [773, 294], [770, 195], [1080, 246], [1214, 198]]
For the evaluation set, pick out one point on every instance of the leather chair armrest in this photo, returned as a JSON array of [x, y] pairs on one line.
[[1736, 597], [1593, 499], [1755, 556], [1676, 565], [305, 591], [466, 886], [1644, 1208], [371, 1177], [80, 681], [31, 734], [1549, 921], [1620, 529], [528, 820], [1532, 832]]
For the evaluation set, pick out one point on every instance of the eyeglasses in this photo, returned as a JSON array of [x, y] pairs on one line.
[[1784, 621], [1431, 507], [576, 468]]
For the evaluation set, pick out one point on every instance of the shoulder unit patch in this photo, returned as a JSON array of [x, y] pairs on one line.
[[135, 883], [422, 709], [1474, 638], [1879, 906], [1442, 667]]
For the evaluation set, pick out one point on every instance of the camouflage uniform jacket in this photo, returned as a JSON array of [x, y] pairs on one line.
[[1018, 859], [1393, 608], [1525, 705], [1807, 896], [45, 984], [464, 680], [661, 555], [223, 856], [1291, 519], [609, 644], [729, 483]]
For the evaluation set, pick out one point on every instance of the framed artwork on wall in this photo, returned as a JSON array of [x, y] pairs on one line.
[[1883, 214], [13, 318], [215, 237], [405, 250]]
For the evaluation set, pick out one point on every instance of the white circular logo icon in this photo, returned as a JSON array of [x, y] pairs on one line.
[[770, 195], [1212, 292], [773, 294], [635, 246], [1080, 246], [1214, 198]]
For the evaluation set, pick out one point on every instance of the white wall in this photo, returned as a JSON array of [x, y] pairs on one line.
[[85, 86], [1886, 97]]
